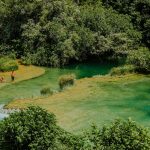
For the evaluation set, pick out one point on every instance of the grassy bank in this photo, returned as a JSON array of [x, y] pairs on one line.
[[96, 100], [23, 73]]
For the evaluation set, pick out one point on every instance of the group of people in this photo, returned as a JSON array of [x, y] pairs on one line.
[[12, 77]]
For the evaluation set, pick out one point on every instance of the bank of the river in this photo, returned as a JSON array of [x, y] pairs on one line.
[[97, 100], [5, 112], [31, 88], [23, 73]]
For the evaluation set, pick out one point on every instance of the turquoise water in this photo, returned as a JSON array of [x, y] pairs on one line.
[[125, 99], [105, 102], [31, 88]]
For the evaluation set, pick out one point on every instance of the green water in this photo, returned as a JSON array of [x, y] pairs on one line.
[[119, 99], [106, 102], [31, 88]]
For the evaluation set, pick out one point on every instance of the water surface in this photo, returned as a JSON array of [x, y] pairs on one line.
[[31, 88], [122, 99]]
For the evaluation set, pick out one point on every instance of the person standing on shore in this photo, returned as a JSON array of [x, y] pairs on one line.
[[1, 79], [12, 76]]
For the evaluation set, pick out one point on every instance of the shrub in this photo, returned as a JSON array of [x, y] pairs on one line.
[[122, 70], [141, 59], [120, 135], [46, 91], [8, 64], [35, 129], [32, 128], [25, 61], [71, 141], [66, 80]]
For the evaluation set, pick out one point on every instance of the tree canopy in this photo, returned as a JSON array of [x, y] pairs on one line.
[[55, 32], [34, 129]]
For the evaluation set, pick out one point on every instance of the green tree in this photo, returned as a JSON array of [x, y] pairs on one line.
[[53, 33], [138, 10], [141, 59], [120, 135], [32, 128]]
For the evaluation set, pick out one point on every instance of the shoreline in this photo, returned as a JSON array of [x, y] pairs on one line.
[[3, 110], [22, 74], [104, 79]]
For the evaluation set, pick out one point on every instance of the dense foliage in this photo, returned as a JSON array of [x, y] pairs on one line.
[[122, 70], [36, 129], [55, 32], [120, 135], [33, 128], [141, 59], [138, 10], [8, 64]]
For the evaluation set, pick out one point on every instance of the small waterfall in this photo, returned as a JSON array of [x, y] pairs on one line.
[[5, 112]]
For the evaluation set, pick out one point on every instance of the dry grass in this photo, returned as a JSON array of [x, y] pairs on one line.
[[23, 73]]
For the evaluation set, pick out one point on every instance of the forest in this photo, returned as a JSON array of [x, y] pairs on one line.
[[59, 32], [65, 64]]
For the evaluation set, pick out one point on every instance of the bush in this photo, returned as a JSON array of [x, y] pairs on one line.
[[32, 128], [36, 129], [120, 135], [66, 80], [122, 70], [25, 61], [141, 59], [46, 91], [71, 141], [8, 64]]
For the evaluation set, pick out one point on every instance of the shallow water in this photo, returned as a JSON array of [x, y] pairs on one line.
[[31, 88], [127, 99], [105, 102]]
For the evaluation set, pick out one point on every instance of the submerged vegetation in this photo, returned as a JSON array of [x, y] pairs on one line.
[[46, 91]]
